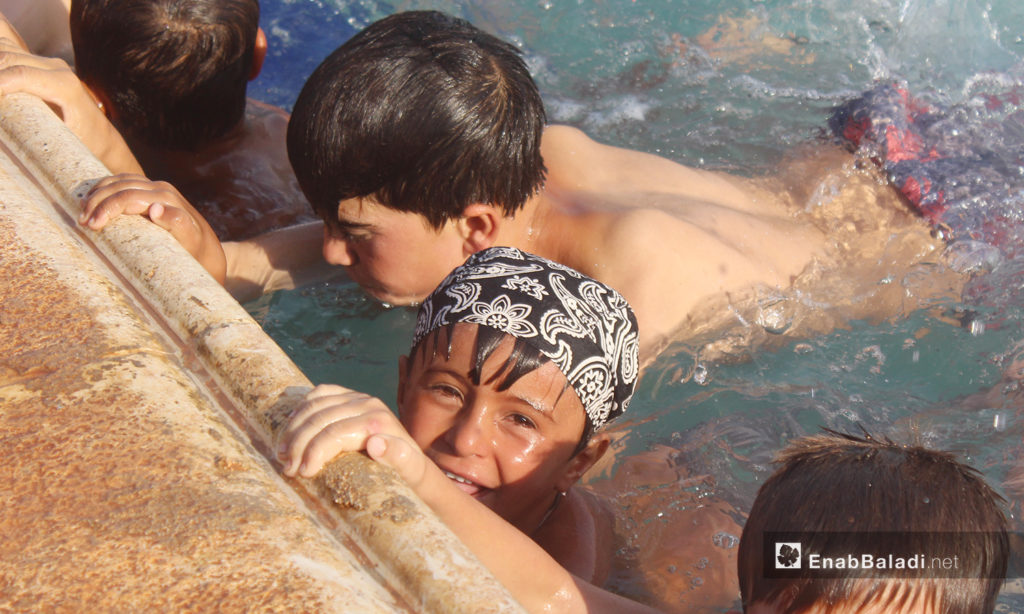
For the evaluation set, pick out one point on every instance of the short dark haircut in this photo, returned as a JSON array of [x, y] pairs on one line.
[[835, 486], [175, 71], [524, 358], [424, 113]]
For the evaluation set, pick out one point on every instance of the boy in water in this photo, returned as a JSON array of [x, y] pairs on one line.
[[422, 140], [837, 495], [171, 75], [516, 365]]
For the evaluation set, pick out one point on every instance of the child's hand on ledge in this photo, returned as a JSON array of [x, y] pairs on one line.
[[164, 206], [333, 420]]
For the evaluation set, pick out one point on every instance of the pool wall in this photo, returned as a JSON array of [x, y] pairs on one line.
[[139, 405]]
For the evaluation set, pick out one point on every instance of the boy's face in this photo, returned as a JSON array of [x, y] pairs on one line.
[[511, 450], [395, 256]]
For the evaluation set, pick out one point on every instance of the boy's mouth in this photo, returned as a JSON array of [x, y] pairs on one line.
[[467, 486]]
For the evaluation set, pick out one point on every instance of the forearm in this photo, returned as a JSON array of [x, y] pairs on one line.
[[112, 150], [536, 580], [277, 260]]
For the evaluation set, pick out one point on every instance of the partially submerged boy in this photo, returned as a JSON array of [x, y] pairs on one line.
[[171, 75], [838, 496], [422, 140], [516, 365]]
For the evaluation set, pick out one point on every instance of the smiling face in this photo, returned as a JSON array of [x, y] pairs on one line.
[[512, 450], [396, 256]]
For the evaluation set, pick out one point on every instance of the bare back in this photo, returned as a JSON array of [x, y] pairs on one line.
[[695, 251], [243, 184]]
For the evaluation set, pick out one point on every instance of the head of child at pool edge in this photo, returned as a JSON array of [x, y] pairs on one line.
[[418, 135], [172, 73], [838, 493], [516, 362]]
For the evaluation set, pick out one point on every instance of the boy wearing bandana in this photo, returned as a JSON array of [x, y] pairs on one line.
[[516, 365]]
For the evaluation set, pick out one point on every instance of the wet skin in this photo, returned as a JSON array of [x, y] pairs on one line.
[[512, 450], [395, 256]]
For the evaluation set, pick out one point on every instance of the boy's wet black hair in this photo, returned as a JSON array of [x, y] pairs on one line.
[[175, 71], [422, 112], [840, 492]]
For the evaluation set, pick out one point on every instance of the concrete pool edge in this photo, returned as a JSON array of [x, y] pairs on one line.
[[258, 381]]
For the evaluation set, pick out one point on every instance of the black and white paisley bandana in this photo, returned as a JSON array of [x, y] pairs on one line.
[[585, 327]]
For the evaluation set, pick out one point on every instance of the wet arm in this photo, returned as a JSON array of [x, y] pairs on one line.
[[277, 260], [535, 579], [53, 81], [333, 419]]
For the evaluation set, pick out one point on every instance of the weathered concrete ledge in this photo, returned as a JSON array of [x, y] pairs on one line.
[[138, 407]]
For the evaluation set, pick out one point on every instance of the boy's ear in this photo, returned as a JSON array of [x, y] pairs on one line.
[[584, 460], [479, 226], [102, 100], [259, 54]]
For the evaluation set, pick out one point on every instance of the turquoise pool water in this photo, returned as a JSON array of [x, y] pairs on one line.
[[666, 77]]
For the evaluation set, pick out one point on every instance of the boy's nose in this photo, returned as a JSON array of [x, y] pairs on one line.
[[469, 433], [337, 251]]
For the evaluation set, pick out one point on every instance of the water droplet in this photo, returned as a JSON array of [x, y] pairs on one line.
[[701, 375], [775, 314], [725, 540]]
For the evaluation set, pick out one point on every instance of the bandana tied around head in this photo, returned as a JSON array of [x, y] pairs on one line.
[[585, 327]]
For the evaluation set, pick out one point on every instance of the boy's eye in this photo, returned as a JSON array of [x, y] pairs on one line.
[[447, 391], [350, 235], [346, 232], [521, 420]]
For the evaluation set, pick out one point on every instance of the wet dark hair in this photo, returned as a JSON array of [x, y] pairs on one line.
[[523, 359], [424, 113], [839, 491], [175, 71]]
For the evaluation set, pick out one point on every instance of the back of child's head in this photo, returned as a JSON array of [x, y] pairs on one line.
[[845, 495], [553, 313], [423, 112], [174, 71]]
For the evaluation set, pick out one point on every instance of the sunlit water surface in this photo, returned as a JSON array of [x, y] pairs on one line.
[[666, 77]]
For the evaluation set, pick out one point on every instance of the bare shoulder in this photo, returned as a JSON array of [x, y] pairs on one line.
[[43, 24], [257, 108], [567, 147], [267, 122], [561, 138], [580, 164]]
